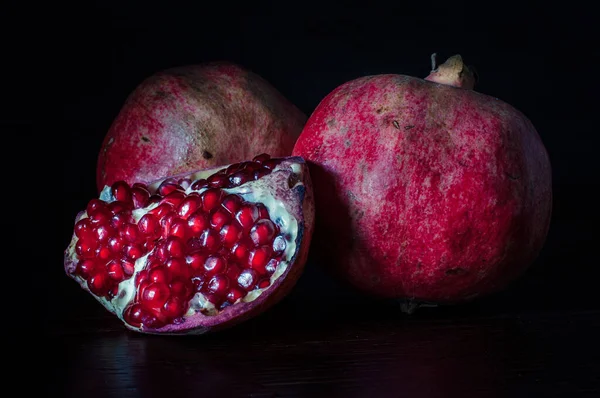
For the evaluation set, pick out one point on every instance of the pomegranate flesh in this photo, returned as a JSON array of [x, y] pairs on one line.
[[199, 251], [426, 190], [196, 117]]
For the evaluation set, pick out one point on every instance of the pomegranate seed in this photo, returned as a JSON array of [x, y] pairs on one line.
[[215, 265], [95, 204], [247, 216], [218, 285], [118, 207], [260, 173], [130, 233], [154, 199], [211, 199], [271, 266], [161, 210], [114, 290], [100, 216], [233, 272], [165, 223], [148, 245], [141, 278], [128, 267], [158, 274], [176, 267], [151, 321], [174, 198], [155, 295], [139, 196], [271, 163], [178, 228], [168, 186], [174, 307], [232, 203], [263, 213], [120, 219], [198, 222], [250, 167], [86, 267], [115, 270], [258, 259], [86, 248], [240, 252], [84, 229], [209, 240], [199, 184], [188, 206], [263, 157], [262, 232], [198, 282], [134, 315], [161, 251], [181, 288], [195, 260], [218, 181], [219, 218], [230, 234], [215, 299], [104, 253], [175, 246], [149, 225], [235, 294], [133, 251], [121, 191], [247, 279], [263, 283], [232, 168], [279, 245], [239, 178], [98, 282]]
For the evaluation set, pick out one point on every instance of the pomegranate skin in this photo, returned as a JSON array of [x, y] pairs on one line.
[[195, 117], [425, 191]]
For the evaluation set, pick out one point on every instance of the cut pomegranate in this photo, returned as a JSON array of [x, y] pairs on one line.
[[189, 260]]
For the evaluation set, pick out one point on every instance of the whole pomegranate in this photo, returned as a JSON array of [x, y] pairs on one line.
[[193, 117], [196, 252], [426, 190]]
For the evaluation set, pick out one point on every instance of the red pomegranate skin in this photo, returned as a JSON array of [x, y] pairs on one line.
[[425, 191], [195, 117]]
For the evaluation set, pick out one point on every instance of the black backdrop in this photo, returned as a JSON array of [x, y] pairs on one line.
[[536, 56]]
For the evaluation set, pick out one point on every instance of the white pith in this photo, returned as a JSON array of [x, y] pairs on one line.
[[254, 192]]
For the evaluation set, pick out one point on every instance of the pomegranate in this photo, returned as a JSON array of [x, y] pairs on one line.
[[426, 190], [196, 117], [195, 252]]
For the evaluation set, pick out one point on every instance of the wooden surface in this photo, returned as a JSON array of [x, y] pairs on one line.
[[537, 339]]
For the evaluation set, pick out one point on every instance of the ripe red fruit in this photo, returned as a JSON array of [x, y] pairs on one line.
[[162, 273], [424, 188], [195, 117]]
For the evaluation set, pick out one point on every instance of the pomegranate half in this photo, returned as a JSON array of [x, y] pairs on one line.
[[199, 251], [426, 190], [195, 117]]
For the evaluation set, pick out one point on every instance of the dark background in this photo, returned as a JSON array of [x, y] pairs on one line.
[[535, 339]]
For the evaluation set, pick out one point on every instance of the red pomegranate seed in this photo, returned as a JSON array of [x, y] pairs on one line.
[[247, 279], [271, 266], [271, 163], [263, 213], [115, 270], [178, 228], [120, 219], [86, 267], [215, 299], [161, 251], [84, 229], [263, 283], [233, 271], [100, 216], [247, 215], [240, 252], [232, 203], [181, 288], [121, 191], [239, 178], [263, 157], [215, 265], [148, 245], [176, 267], [158, 274], [86, 248], [199, 184], [174, 307], [175, 246], [133, 251], [95, 204], [230, 234], [260, 173], [219, 218], [195, 261], [149, 225], [232, 168], [219, 284], [174, 198], [262, 232], [198, 222], [168, 186], [161, 210], [188, 206], [209, 239], [104, 253], [155, 295], [139, 196], [152, 321], [235, 294], [258, 259], [118, 207], [141, 278], [218, 181], [130, 233], [198, 282], [211, 198], [134, 315], [250, 167], [128, 267], [98, 282], [279, 245], [165, 223], [114, 290]]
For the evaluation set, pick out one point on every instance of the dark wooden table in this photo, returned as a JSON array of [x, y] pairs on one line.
[[537, 339]]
